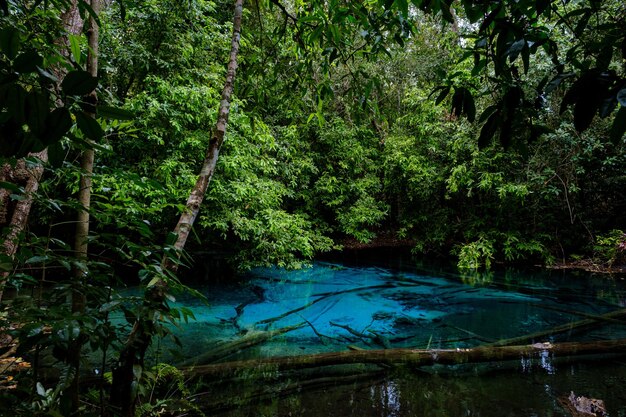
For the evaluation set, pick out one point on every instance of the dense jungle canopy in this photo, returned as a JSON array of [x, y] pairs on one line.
[[489, 131]]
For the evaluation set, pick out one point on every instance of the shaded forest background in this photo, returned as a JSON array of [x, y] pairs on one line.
[[486, 131]]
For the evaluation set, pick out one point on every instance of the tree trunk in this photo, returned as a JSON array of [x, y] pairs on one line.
[[188, 217], [128, 370], [73, 24], [19, 217], [81, 273]]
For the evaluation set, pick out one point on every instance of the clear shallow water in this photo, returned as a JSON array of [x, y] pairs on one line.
[[375, 307]]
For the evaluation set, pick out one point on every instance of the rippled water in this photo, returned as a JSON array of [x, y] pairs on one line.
[[374, 307]]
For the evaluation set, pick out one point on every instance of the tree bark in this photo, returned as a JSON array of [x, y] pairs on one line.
[[72, 24], [81, 272], [188, 217], [19, 218], [128, 370]]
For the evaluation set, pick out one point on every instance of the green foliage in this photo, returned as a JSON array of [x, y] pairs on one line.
[[610, 248], [477, 254]]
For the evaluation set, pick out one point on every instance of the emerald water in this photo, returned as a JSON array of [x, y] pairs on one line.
[[372, 305]]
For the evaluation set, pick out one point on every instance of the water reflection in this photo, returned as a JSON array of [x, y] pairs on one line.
[[373, 307], [386, 399]]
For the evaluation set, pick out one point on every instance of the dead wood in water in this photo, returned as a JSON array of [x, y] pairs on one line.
[[411, 357], [228, 348], [561, 329]]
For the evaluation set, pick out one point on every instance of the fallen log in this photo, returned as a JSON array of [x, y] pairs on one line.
[[409, 357]]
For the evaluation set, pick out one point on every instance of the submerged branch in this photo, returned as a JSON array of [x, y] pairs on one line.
[[226, 349], [561, 329]]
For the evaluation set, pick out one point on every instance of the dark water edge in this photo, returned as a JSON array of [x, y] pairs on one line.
[[494, 393], [504, 302]]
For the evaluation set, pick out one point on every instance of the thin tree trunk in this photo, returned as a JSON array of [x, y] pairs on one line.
[[188, 217], [128, 370], [81, 272]]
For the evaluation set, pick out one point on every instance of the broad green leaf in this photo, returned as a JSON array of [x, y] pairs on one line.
[[58, 123], [171, 238], [75, 48], [56, 154], [444, 93], [36, 111], [515, 49], [11, 187], [37, 259], [469, 108], [89, 126], [27, 62], [10, 42], [488, 130], [79, 83], [6, 266], [487, 112]]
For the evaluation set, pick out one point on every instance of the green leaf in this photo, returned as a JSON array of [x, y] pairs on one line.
[[487, 112], [114, 113], [10, 42], [444, 93], [403, 6], [75, 48], [36, 259], [89, 126], [36, 111], [11, 187], [171, 238], [488, 130], [621, 97], [457, 101], [56, 154], [79, 83], [27, 62], [58, 123], [515, 49], [469, 108], [619, 126], [84, 6], [6, 266]]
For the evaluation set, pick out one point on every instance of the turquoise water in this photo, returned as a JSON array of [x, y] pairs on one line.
[[374, 307]]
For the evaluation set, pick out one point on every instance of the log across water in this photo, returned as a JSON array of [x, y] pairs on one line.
[[410, 357]]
